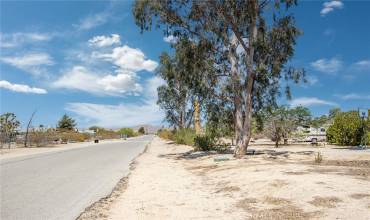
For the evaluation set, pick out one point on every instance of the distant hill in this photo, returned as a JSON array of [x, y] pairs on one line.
[[151, 129]]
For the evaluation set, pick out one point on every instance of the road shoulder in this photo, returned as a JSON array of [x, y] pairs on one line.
[[171, 182]]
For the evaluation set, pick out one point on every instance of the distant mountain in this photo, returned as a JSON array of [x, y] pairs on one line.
[[150, 129]]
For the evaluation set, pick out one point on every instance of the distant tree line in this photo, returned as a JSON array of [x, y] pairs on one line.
[[65, 131]]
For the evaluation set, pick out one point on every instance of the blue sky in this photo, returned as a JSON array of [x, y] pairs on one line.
[[89, 59]]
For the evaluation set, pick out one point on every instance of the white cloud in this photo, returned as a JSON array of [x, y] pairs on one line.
[[170, 39], [20, 38], [327, 66], [21, 88], [82, 79], [362, 64], [124, 114], [330, 6], [312, 80], [105, 41], [354, 96], [128, 58], [31, 62], [310, 101], [92, 21]]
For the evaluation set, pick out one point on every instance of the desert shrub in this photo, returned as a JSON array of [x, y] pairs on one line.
[[129, 132], [346, 129], [38, 138], [71, 136], [165, 134], [210, 143], [141, 130], [185, 136], [107, 134], [204, 143]]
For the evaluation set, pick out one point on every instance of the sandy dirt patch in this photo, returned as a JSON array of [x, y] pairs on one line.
[[172, 182]]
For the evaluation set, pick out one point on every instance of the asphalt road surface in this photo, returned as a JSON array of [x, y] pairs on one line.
[[60, 185]]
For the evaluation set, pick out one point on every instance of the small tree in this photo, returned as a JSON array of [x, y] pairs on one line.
[[94, 128], [8, 127], [346, 129], [129, 132], [66, 123], [282, 121], [141, 130]]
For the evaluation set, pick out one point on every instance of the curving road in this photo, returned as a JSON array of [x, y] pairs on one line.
[[60, 185]]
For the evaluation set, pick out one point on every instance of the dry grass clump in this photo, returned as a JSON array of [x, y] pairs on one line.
[[288, 212], [206, 167], [276, 201], [327, 202], [360, 195], [228, 189], [348, 163], [247, 204], [279, 183], [296, 172]]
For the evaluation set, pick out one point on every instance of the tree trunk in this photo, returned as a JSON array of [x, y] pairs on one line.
[[246, 119], [238, 118], [197, 125]]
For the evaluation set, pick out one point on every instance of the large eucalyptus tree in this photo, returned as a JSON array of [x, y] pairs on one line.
[[186, 87], [252, 42]]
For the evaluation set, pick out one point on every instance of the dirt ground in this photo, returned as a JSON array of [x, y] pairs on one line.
[[171, 182]]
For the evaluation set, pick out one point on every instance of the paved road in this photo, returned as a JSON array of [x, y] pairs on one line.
[[60, 185]]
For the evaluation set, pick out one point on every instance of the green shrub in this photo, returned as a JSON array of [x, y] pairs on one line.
[[346, 129], [204, 143], [129, 132], [165, 134], [141, 130], [184, 136]]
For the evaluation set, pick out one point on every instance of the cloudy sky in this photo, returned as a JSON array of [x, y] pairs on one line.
[[89, 59]]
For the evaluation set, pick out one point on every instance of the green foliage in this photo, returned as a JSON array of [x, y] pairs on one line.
[[321, 121], [94, 128], [346, 129], [333, 112], [185, 136], [204, 143], [8, 127], [282, 121], [220, 121], [129, 132], [246, 81], [165, 134], [141, 130], [66, 123], [184, 73]]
